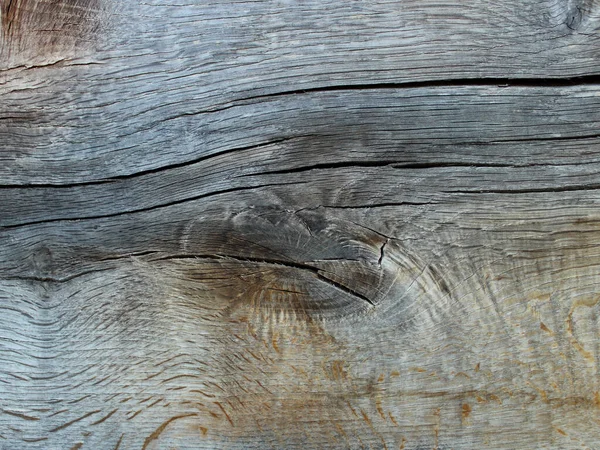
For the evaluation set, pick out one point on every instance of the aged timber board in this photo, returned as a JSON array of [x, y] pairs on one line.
[[299, 224]]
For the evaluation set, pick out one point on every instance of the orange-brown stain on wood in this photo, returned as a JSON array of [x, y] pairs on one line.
[[286, 371], [379, 408], [274, 341], [465, 412], [366, 418], [584, 302], [340, 429], [436, 428], [337, 370], [495, 398], [351, 409], [274, 355]]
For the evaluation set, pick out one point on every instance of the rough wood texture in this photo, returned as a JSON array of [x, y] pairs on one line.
[[299, 224]]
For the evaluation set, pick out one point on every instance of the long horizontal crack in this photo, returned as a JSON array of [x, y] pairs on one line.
[[52, 279], [396, 164], [532, 139], [160, 169], [62, 62], [279, 262], [508, 82], [590, 187], [587, 80], [367, 164], [368, 206], [399, 165], [220, 257], [149, 208]]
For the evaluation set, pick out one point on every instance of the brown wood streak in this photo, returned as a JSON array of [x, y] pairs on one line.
[[20, 415], [9, 11], [103, 419], [68, 424], [156, 433], [118, 445]]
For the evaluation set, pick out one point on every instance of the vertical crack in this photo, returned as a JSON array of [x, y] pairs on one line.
[[381, 253]]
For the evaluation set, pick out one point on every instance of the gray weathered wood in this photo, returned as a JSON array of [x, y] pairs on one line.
[[299, 225]]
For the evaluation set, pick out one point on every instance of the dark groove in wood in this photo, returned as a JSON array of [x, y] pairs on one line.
[[119, 442], [52, 279]]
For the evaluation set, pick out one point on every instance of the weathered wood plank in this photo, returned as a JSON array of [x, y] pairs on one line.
[[483, 328], [379, 121], [146, 71], [303, 43], [299, 225]]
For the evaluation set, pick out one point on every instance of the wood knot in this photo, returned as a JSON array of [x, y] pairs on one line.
[[43, 263], [574, 18]]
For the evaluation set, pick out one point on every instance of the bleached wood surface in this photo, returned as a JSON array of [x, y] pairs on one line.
[[299, 224]]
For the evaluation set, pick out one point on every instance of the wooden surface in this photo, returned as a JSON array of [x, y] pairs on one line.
[[299, 224]]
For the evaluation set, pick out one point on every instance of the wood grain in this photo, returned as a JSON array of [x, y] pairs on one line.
[[299, 225]]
